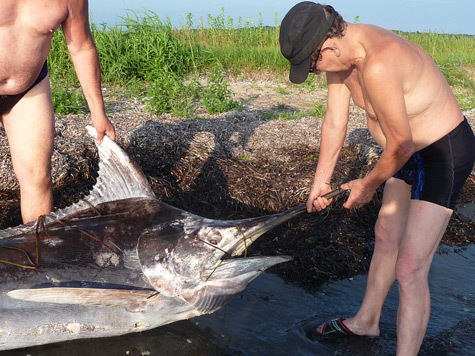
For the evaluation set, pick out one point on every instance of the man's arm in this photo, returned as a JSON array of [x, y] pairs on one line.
[[383, 83], [332, 138], [86, 63]]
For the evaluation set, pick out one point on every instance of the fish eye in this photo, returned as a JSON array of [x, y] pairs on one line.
[[214, 237], [211, 236]]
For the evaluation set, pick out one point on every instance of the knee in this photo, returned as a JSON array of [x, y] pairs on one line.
[[36, 178], [410, 273], [385, 237]]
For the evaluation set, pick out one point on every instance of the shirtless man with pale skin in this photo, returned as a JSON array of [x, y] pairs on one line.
[[428, 153], [26, 111]]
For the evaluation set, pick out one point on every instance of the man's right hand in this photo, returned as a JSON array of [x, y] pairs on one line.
[[315, 201], [103, 127]]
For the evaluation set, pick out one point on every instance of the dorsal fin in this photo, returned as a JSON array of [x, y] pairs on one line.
[[118, 178]]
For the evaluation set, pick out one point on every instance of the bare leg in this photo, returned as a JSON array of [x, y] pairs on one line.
[[425, 228], [30, 131], [389, 231]]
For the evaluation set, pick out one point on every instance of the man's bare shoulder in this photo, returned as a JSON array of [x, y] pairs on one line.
[[386, 53]]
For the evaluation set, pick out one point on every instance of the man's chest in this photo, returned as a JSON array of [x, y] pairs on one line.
[[37, 16], [359, 94]]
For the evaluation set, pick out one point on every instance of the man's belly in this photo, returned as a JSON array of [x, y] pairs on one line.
[[376, 132], [22, 55], [15, 80], [424, 130]]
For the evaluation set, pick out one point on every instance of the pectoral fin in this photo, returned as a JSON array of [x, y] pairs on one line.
[[132, 300]]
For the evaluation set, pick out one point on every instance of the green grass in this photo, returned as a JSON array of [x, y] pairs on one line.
[[149, 57], [67, 99]]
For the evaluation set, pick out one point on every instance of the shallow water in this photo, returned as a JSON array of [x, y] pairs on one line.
[[271, 317]]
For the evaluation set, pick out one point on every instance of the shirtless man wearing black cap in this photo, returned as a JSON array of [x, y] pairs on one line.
[[26, 111], [428, 153]]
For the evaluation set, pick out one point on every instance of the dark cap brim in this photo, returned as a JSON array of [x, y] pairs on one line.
[[299, 72]]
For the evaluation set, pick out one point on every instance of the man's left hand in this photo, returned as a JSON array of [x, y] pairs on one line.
[[360, 194]]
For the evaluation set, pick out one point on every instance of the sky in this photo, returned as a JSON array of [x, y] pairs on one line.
[[442, 16]]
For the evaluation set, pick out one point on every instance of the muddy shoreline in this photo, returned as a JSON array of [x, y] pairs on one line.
[[235, 165]]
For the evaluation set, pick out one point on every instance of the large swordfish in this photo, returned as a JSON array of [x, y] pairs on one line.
[[121, 261]]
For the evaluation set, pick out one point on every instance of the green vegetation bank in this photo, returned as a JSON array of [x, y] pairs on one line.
[[176, 68]]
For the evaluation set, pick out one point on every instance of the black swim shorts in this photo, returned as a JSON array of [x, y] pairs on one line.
[[7, 102], [438, 172]]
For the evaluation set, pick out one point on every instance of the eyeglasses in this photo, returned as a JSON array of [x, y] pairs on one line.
[[316, 56], [313, 62]]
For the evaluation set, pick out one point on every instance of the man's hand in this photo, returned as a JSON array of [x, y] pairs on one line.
[[315, 201], [359, 195], [103, 127]]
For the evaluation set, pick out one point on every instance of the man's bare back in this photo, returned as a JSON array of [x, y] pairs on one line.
[[431, 107], [26, 29]]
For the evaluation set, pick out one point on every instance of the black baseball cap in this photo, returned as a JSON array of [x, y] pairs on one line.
[[301, 32]]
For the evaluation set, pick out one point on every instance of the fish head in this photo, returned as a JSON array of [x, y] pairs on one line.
[[182, 256]]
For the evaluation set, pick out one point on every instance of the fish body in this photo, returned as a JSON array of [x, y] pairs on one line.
[[121, 261]]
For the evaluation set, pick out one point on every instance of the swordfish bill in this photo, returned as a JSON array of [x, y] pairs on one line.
[[121, 261]]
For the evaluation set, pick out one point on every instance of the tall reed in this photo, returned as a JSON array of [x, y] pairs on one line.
[[147, 50]]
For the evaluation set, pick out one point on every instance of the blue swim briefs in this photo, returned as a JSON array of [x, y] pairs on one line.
[[438, 172]]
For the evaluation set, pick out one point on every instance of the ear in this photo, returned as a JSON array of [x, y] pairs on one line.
[[333, 46]]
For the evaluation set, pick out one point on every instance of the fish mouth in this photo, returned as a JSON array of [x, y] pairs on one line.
[[231, 276], [252, 229]]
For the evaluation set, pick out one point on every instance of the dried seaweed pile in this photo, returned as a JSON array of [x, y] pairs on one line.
[[234, 166]]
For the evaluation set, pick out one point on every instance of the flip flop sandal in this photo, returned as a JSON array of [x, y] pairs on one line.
[[335, 327]]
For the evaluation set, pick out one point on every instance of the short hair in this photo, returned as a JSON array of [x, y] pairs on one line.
[[339, 25]]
